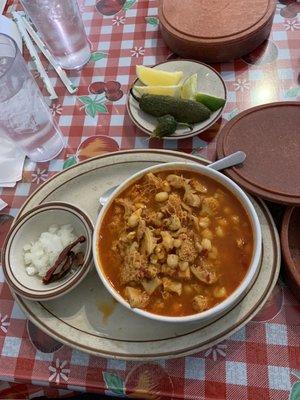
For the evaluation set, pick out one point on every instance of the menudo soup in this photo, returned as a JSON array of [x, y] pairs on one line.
[[175, 243]]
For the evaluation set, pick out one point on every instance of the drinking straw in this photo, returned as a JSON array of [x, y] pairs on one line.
[[34, 55], [2, 204], [2, 5], [60, 72]]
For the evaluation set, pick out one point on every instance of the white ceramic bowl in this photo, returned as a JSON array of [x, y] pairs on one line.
[[242, 289], [28, 228]]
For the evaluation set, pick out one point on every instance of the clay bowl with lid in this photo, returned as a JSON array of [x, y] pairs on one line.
[[215, 30], [241, 290], [269, 135], [290, 244]]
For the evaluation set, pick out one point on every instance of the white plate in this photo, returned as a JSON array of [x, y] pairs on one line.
[[209, 81], [76, 318]]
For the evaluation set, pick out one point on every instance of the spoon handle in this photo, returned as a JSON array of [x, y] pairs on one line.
[[229, 161]]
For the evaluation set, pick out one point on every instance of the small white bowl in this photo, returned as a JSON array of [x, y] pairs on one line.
[[209, 81], [28, 228], [241, 290]]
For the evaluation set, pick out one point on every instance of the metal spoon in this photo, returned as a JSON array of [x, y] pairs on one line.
[[230, 161], [226, 162]]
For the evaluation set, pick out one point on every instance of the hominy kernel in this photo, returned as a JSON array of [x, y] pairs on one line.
[[133, 220], [172, 260], [154, 258], [161, 197], [177, 243], [206, 244], [166, 187], [220, 292], [140, 205], [198, 247], [183, 265], [204, 222], [207, 233], [220, 232], [213, 254]]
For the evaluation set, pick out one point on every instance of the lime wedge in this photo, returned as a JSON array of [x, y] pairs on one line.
[[157, 77], [173, 91], [211, 102], [189, 87]]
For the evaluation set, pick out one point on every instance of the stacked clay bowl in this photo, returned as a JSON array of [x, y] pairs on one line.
[[215, 30], [290, 244]]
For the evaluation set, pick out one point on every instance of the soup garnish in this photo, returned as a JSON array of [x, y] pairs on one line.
[[52, 256]]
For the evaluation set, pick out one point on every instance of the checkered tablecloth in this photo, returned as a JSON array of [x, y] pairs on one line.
[[262, 360]]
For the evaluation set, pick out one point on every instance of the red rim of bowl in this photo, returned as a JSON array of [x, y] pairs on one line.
[[73, 280]]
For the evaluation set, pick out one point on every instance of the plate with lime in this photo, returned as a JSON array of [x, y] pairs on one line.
[[176, 99]]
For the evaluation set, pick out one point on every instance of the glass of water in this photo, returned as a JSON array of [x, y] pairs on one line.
[[60, 26], [24, 115]]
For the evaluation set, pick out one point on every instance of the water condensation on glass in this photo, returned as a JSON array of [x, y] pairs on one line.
[[4, 64], [24, 116], [12, 76], [54, 9], [21, 115], [61, 27]]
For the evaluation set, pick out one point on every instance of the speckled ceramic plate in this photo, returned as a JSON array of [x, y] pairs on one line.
[[26, 230], [209, 81], [88, 319]]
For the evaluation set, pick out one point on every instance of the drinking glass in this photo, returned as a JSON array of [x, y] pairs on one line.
[[24, 115], [60, 26]]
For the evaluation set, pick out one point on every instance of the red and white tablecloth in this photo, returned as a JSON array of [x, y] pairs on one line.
[[262, 360]]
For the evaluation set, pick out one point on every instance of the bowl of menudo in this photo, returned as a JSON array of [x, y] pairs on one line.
[[178, 242]]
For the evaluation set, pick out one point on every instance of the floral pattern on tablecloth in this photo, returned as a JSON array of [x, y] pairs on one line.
[[261, 360]]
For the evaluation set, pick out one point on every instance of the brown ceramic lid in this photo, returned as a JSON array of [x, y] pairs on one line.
[[270, 136], [290, 244], [216, 20], [215, 30]]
